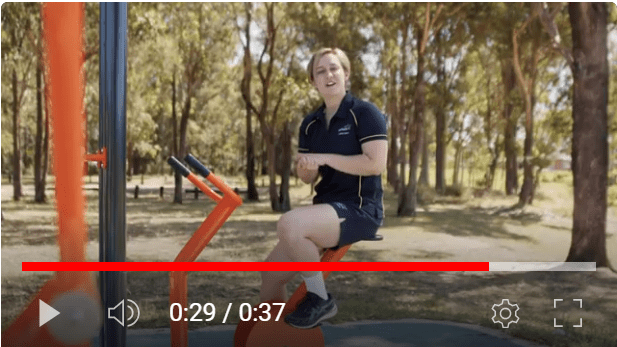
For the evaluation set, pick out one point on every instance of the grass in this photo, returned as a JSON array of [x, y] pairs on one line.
[[446, 230]]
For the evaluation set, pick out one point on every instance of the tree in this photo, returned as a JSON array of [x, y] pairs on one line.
[[202, 35], [278, 89], [245, 85], [423, 25], [451, 46], [42, 128], [17, 23], [589, 131], [589, 65], [527, 86]]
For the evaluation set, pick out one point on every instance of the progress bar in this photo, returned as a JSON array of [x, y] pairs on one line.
[[307, 266], [542, 266]]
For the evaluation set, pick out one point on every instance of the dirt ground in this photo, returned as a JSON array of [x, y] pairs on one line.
[[449, 230]]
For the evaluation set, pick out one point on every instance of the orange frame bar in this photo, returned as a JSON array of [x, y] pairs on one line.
[[63, 25], [178, 292]]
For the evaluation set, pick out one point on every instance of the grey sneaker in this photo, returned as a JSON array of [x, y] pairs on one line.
[[312, 311]]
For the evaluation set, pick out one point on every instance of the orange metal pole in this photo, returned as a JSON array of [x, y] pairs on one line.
[[63, 29], [65, 44], [196, 244], [178, 294], [204, 187]]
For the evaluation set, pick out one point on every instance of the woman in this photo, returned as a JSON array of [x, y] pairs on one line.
[[345, 142]]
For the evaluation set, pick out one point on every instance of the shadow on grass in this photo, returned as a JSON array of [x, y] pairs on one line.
[[463, 222]]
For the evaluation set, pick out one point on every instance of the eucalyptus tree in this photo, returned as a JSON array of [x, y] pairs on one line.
[[18, 59], [484, 75], [494, 24], [589, 137], [203, 34], [41, 142], [530, 34], [426, 20], [588, 61], [218, 119], [247, 64], [446, 93], [387, 17], [151, 55], [278, 89]]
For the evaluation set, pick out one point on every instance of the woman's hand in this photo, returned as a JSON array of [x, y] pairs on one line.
[[310, 162]]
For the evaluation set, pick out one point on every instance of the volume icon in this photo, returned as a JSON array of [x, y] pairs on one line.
[[117, 313]]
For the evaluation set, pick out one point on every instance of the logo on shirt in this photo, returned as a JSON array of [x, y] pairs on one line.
[[344, 130]]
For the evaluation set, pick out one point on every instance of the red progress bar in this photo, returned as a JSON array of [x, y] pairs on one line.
[[255, 266]]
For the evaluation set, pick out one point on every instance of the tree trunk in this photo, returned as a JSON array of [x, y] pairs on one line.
[[16, 143], [527, 86], [525, 196], [39, 186], [409, 201], [589, 132], [424, 171], [45, 160], [251, 194], [270, 150], [264, 158], [440, 151], [174, 125], [403, 122], [457, 165], [490, 176], [509, 83], [129, 159], [182, 147], [285, 164], [440, 125], [45, 145], [393, 153], [494, 148]]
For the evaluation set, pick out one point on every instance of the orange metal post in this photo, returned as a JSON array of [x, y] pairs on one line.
[[63, 30]]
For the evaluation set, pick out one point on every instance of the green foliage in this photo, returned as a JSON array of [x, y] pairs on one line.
[[612, 195], [199, 43]]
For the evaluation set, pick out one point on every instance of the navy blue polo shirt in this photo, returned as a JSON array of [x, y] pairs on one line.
[[354, 123]]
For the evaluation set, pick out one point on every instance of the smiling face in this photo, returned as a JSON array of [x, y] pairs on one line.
[[329, 76]]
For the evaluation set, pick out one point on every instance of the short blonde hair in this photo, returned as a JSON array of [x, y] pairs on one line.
[[342, 57]]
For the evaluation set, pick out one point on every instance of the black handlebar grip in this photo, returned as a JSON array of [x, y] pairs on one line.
[[177, 165], [195, 164]]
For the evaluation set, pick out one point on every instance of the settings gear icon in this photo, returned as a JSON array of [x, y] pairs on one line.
[[505, 316]]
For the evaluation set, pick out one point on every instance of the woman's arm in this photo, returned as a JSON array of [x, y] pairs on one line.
[[371, 162]]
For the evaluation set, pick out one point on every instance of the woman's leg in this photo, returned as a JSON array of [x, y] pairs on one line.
[[303, 234], [273, 283], [304, 231]]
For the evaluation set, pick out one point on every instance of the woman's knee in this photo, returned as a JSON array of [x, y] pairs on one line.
[[287, 230]]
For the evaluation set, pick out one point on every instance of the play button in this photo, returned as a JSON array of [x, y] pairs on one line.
[[46, 313]]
